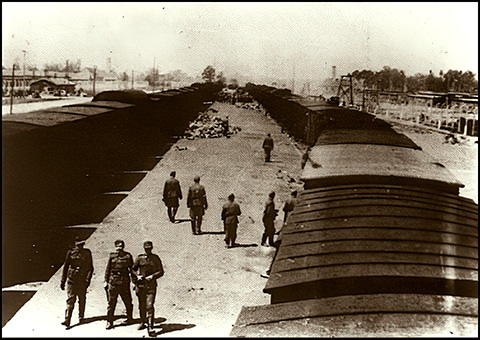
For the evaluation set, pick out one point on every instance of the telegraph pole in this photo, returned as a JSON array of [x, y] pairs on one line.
[[11, 94], [154, 77], [24, 52], [94, 79]]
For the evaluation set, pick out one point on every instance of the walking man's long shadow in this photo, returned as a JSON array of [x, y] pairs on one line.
[[245, 245], [168, 327]]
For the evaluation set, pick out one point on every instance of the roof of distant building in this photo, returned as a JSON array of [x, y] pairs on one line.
[[55, 81]]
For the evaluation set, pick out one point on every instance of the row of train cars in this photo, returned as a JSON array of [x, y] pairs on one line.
[[65, 168], [380, 244]]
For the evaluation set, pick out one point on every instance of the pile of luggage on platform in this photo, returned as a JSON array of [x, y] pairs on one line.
[[209, 126]]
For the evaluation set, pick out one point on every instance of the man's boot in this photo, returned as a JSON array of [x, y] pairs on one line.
[[143, 325], [109, 325], [68, 317], [129, 320]]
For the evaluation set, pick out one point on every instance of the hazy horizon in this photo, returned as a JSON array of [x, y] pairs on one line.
[[254, 41]]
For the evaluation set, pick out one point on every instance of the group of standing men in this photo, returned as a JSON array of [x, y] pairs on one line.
[[120, 272]]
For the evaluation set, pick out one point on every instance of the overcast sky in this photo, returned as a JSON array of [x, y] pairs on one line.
[[256, 40]]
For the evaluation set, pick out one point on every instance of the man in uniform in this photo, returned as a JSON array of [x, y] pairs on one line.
[[117, 282], [289, 205], [77, 273], [230, 211], [147, 269], [171, 194], [197, 202], [268, 147], [269, 214]]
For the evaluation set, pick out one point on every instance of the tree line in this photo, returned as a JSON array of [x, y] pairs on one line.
[[392, 79]]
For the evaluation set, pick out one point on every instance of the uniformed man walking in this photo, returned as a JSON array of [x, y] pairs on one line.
[[171, 194], [268, 147], [147, 269], [269, 214], [117, 282], [197, 202], [77, 273], [230, 213]]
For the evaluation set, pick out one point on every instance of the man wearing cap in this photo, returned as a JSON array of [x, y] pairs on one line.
[[197, 202], [171, 194], [77, 273], [269, 214], [117, 282], [230, 213], [268, 147], [147, 269]]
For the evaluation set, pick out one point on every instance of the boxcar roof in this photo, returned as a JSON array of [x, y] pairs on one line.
[[377, 230], [376, 315], [348, 162]]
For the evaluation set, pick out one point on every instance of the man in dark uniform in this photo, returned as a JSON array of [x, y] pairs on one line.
[[147, 269], [197, 202], [117, 282], [230, 211], [269, 214], [289, 205], [171, 194], [268, 147], [77, 273]]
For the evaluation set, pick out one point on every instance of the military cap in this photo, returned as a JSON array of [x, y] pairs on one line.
[[272, 194], [196, 179], [119, 242], [79, 240], [147, 244]]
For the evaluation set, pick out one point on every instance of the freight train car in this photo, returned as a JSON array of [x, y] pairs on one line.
[[379, 244]]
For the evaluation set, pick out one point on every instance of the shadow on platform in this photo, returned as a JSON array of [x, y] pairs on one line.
[[212, 233], [240, 245], [169, 327]]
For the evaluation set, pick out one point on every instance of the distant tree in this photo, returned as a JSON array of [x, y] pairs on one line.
[[367, 77], [468, 82], [221, 79], [124, 76], [152, 77], [415, 83], [208, 74], [234, 83]]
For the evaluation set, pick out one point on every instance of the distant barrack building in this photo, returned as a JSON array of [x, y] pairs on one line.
[[83, 80]]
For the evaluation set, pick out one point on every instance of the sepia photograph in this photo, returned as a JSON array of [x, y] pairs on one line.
[[239, 169]]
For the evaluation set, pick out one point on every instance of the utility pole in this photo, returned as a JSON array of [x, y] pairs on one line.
[[94, 79], [11, 94], [24, 52], [132, 79], [154, 76]]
